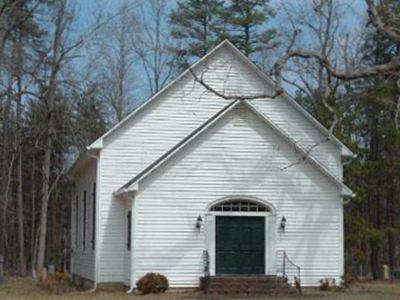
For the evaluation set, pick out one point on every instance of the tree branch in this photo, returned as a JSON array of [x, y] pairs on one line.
[[376, 20], [392, 66], [200, 80]]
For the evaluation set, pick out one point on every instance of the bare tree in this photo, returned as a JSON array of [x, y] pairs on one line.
[[18, 142], [375, 18], [14, 18], [115, 63], [57, 56], [152, 44], [327, 71], [321, 56]]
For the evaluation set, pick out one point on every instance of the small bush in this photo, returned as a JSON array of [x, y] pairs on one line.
[[327, 284], [152, 283], [57, 283], [346, 280], [297, 284]]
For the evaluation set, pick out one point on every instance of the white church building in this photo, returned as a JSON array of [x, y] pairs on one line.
[[192, 184]]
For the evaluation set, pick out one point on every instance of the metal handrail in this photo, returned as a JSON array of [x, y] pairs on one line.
[[206, 263], [288, 263]]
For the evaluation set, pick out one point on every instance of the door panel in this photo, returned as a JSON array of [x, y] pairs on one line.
[[240, 245]]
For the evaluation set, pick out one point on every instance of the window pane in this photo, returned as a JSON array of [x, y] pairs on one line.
[[84, 221], [240, 205], [128, 231]]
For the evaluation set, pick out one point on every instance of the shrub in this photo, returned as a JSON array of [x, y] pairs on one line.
[[57, 283], [347, 278], [297, 284], [152, 283], [327, 284]]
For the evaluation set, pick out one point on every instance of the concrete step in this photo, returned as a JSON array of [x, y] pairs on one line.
[[247, 285]]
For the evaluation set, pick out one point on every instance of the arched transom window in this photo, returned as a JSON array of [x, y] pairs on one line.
[[240, 205]]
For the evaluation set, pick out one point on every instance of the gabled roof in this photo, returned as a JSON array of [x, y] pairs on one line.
[[179, 145], [132, 184], [98, 144], [345, 151], [306, 155], [83, 158]]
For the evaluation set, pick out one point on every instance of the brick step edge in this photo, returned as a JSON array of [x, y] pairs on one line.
[[247, 285], [252, 291], [269, 286]]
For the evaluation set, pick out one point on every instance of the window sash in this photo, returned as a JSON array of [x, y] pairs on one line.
[[84, 222], [239, 206], [94, 216], [76, 221], [128, 231]]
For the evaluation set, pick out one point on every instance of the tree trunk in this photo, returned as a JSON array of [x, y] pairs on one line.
[[20, 219], [45, 204], [20, 199], [5, 179], [33, 215], [50, 97]]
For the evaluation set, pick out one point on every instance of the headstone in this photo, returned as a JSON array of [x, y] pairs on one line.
[[385, 269], [52, 270]]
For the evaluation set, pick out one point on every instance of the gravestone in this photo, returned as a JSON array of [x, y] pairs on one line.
[[385, 269], [52, 270]]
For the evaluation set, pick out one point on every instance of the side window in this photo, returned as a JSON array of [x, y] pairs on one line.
[[94, 216], [76, 222], [84, 221], [128, 230]]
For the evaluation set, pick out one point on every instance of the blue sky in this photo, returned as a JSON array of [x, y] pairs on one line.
[[353, 19], [87, 9]]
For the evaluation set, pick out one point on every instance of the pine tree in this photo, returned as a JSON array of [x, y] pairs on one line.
[[91, 118], [197, 27], [372, 218], [246, 20]]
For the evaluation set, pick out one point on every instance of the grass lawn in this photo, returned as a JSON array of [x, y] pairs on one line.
[[27, 289]]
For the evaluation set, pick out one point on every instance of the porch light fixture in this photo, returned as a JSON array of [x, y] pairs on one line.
[[198, 222], [283, 223]]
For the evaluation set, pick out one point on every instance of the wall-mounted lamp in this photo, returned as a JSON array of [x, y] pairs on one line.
[[283, 223], [198, 222]]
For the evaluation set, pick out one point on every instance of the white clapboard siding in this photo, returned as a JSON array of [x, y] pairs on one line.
[[83, 258], [239, 155], [293, 123], [240, 79], [154, 130]]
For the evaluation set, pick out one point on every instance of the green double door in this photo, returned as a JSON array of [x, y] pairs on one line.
[[240, 245]]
